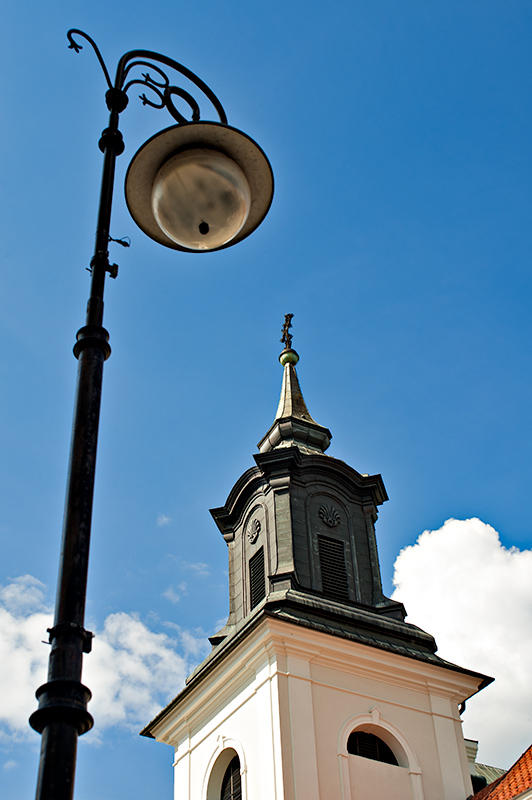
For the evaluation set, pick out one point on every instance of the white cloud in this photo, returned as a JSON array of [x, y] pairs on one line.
[[23, 657], [174, 594], [163, 519], [10, 764], [132, 670], [22, 593], [475, 596], [199, 567], [171, 595], [194, 643]]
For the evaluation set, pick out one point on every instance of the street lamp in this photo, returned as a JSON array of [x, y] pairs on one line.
[[197, 186]]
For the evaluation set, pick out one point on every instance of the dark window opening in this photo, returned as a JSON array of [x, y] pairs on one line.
[[332, 566], [478, 782], [231, 786], [257, 580], [369, 746]]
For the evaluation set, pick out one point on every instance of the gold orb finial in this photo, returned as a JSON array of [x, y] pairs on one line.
[[289, 356]]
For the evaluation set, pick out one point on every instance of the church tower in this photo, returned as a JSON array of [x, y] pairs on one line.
[[316, 688]]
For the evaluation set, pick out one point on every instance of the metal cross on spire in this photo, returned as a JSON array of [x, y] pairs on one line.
[[286, 338]]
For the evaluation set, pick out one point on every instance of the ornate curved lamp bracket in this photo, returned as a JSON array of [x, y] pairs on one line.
[[157, 81], [76, 46]]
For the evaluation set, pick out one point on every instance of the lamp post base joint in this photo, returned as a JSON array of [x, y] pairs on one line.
[[92, 336], [62, 701], [111, 140]]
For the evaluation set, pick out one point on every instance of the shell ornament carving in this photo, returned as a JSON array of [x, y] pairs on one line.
[[329, 515], [253, 530]]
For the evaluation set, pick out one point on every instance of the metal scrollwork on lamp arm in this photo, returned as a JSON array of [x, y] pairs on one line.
[[162, 89]]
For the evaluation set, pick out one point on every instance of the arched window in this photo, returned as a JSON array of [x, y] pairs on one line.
[[368, 745], [231, 786]]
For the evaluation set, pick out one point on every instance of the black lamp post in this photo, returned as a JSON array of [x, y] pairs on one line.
[[196, 186]]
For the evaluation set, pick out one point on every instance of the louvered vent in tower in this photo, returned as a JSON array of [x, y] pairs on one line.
[[332, 565], [368, 745], [257, 581]]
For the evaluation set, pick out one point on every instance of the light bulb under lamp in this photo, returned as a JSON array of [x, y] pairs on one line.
[[201, 199]]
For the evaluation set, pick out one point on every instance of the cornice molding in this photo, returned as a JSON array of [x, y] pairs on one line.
[[271, 641]]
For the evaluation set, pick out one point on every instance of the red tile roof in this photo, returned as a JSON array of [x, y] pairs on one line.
[[516, 780]]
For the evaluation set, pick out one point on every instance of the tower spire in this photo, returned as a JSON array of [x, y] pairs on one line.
[[293, 425]]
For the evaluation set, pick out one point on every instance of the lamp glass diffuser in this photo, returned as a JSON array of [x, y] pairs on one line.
[[201, 198]]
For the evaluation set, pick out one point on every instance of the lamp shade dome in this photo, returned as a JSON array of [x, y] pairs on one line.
[[199, 186]]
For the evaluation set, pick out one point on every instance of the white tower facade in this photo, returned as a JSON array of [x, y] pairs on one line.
[[316, 688]]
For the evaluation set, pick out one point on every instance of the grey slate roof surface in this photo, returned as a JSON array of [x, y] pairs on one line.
[[485, 771]]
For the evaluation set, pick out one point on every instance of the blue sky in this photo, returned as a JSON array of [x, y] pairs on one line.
[[399, 236]]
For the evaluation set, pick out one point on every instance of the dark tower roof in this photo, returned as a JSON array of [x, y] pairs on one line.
[[300, 531]]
